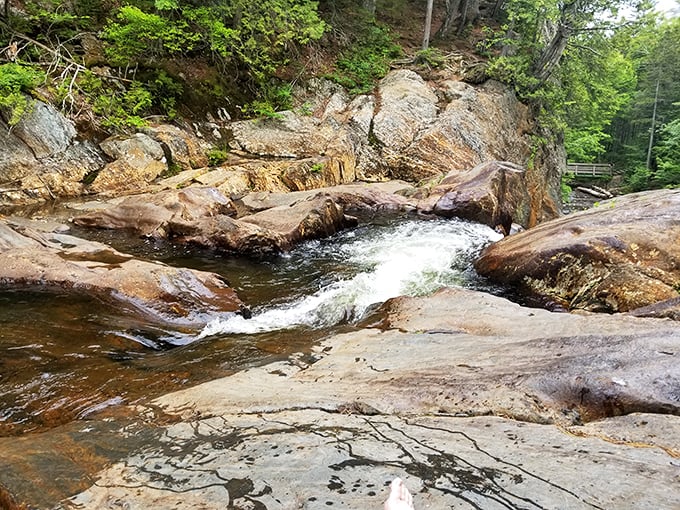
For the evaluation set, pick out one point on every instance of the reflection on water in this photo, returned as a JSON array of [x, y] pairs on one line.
[[67, 356]]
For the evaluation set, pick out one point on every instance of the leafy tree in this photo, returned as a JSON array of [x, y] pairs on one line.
[[654, 51], [668, 156]]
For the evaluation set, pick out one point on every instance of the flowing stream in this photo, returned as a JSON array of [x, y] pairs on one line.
[[64, 357]]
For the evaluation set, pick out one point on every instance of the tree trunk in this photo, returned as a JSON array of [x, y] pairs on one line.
[[369, 6], [552, 54], [452, 7], [497, 9], [428, 24], [651, 131], [5, 9], [463, 16]]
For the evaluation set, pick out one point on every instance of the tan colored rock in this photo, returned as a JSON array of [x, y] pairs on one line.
[[289, 136], [469, 398], [138, 161], [151, 214], [316, 217], [182, 147], [233, 236], [616, 257], [493, 193], [407, 106]]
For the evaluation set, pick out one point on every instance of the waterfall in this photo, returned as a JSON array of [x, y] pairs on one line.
[[366, 267]]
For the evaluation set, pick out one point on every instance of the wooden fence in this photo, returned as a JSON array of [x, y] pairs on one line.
[[591, 169]]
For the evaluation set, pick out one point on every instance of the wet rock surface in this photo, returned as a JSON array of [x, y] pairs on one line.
[[622, 255], [268, 223], [450, 393], [31, 259]]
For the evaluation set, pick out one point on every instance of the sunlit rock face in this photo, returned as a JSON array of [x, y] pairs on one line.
[[469, 398]]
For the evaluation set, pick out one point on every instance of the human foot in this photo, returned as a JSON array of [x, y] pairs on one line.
[[399, 498]]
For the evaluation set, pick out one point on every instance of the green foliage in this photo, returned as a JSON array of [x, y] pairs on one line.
[[119, 109], [256, 36], [217, 156], [654, 50], [668, 156], [165, 92], [141, 36], [565, 186], [16, 81], [638, 179], [272, 100], [317, 168], [431, 57], [172, 170], [367, 60]]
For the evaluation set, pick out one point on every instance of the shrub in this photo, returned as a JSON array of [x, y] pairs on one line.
[[368, 60], [16, 81]]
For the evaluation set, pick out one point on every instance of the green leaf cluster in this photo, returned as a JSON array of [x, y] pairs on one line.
[[254, 38], [367, 60], [17, 81], [141, 36]]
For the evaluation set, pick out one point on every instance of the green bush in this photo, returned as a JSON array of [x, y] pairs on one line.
[[16, 82], [217, 156], [119, 109], [273, 99], [368, 60], [141, 36]]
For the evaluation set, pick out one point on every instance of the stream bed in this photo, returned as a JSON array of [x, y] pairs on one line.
[[65, 357]]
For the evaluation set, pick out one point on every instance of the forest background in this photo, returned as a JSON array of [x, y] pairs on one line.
[[601, 75]]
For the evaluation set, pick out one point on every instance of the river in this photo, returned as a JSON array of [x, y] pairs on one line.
[[66, 357]]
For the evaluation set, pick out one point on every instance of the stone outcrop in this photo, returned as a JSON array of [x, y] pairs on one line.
[[137, 160], [469, 398], [493, 193], [203, 217], [41, 158], [409, 129], [622, 255], [415, 131], [153, 214], [181, 148], [30, 259]]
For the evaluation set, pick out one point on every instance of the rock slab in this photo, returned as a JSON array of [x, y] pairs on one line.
[[622, 255]]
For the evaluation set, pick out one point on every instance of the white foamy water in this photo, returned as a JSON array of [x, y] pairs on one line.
[[372, 265]]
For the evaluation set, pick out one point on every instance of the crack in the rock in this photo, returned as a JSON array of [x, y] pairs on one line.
[[491, 456]]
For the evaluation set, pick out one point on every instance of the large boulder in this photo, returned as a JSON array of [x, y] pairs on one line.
[[44, 130], [202, 216], [151, 214], [317, 217], [407, 106], [137, 160], [56, 261], [182, 149], [621, 255], [267, 232], [41, 159], [354, 198], [493, 193]]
